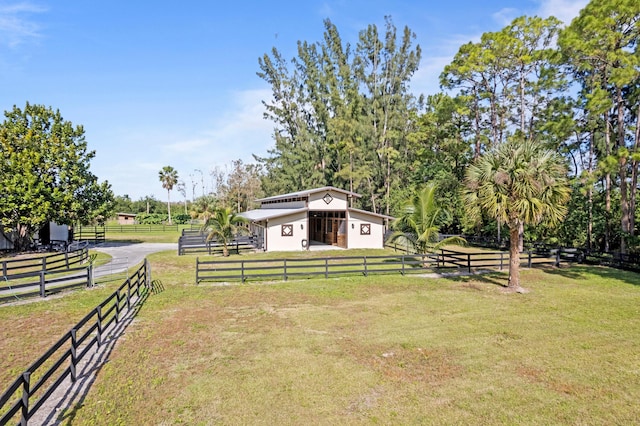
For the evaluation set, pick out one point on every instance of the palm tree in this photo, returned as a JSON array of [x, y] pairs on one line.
[[169, 177], [517, 183], [203, 207], [418, 227], [223, 227]]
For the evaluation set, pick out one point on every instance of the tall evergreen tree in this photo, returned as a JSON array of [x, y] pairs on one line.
[[601, 45]]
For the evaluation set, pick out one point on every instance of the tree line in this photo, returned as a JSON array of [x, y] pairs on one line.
[[344, 115]]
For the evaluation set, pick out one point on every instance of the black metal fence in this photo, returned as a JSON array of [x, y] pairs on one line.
[[37, 383], [243, 270]]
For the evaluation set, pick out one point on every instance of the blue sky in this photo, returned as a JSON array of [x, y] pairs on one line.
[[174, 83]]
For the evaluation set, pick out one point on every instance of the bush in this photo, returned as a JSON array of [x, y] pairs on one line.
[[181, 219], [151, 218]]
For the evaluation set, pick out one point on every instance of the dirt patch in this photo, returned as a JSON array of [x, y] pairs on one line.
[[402, 364]]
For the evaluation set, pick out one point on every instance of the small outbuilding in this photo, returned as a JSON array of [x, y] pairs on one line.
[[126, 218], [317, 216]]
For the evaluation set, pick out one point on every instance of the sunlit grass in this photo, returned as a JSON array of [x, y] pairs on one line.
[[388, 350], [356, 350]]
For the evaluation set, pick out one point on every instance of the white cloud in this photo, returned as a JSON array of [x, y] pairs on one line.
[[15, 28], [505, 16], [565, 10]]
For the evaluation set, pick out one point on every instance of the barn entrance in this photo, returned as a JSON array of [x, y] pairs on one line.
[[328, 227]]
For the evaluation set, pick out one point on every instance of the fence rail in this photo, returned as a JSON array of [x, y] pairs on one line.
[[91, 234], [90, 230], [243, 270], [20, 268], [36, 384], [46, 283], [196, 242]]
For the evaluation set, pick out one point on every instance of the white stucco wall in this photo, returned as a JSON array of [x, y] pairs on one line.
[[373, 240], [275, 240], [339, 201]]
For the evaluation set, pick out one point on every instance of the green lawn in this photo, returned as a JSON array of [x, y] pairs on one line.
[[358, 350], [144, 237]]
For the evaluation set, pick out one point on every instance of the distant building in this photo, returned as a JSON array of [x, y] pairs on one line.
[[126, 218], [316, 216]]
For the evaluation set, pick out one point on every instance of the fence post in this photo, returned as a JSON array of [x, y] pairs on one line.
[[402, 272], [117, 306], [26, 378], [4, 268], [197, 270], [285, 269], [558, 257], [42, 282], [365, 265], [66, 258], [147, 273], [529, 261], [44, 263], [469, 262], [99, 336], [128, 294], [326, 267], [74, 342], [90, 275], [501, 259], [242, 271]]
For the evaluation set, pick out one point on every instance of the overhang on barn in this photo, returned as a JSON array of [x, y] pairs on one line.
[[320, 216]]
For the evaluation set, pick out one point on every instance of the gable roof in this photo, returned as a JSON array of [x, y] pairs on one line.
[[384, 216], [308, 192]]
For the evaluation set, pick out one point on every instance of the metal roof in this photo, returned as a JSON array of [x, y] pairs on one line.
[[308, 192], [264, 214]]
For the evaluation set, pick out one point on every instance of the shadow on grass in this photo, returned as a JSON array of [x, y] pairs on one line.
[[578, 272], [493, 278]]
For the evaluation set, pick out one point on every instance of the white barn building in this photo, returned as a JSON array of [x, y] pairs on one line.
[[293, 221]]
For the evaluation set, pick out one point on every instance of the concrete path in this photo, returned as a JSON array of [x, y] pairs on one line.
[[134, 253]]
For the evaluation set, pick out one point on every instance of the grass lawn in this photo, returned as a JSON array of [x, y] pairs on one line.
[[375, 350], [144, 237]]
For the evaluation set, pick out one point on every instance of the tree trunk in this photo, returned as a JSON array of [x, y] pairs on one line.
[[169, 205], [634, 179], [607, 187], [23, 238], [622, 172], [514, 256]]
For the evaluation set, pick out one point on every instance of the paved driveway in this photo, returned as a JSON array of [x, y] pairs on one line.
[[126, 255]]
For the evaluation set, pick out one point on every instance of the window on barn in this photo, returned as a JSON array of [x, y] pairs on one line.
[[287, 230]]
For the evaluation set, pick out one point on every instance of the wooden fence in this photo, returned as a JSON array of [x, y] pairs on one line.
[[20, 268], [36, 384], [91, 234], [243, 270], [196, 242], [89, 230], [45, 283]]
